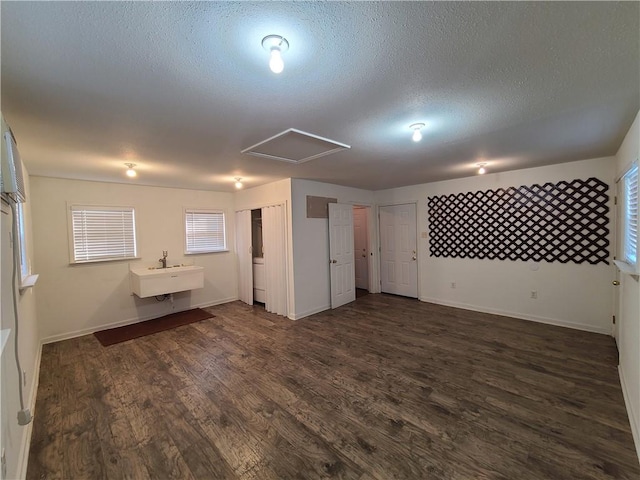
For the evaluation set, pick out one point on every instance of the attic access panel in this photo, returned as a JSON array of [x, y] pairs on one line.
[[295, 146]]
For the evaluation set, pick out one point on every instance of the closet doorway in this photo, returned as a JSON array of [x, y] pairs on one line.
[[261, 242], [257, 257]]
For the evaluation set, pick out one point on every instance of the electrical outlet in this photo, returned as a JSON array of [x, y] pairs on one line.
[[453, 284], [534, 294]]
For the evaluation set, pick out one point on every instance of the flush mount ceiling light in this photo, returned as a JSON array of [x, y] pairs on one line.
[[417, 134], [275, 45], [481, 169], [130, 171], [238, 182]]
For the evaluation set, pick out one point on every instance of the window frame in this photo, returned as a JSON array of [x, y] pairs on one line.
[[629, 219], [23, 252], [71, 207], [204, 211]]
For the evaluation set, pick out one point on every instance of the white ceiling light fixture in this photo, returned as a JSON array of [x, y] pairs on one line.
[[417, 134], [238, 182], [130, 171], [275, 45], [482, 170]]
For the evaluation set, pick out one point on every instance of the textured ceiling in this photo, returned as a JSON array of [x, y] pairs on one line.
[[181, 88]]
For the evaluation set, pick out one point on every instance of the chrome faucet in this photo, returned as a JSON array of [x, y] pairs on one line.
[[163, 260]]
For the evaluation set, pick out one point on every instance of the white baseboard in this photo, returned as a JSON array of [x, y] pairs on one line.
[[633, 419], [521, 316], [313, 311], [23, 455], [122, 323], [217, 302]]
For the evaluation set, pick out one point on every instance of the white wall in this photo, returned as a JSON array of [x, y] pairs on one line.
[[79, 299], [311, 244], [629, 298], [568, 294], [14, 438]]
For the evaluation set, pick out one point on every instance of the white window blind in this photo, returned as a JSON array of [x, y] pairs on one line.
[[204, 231], [630, 227], [102, 233]]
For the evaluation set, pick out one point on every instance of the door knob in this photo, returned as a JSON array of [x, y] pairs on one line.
[[616, 283], [334, 261]]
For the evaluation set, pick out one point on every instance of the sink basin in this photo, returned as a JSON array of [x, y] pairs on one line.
[[149, 282]]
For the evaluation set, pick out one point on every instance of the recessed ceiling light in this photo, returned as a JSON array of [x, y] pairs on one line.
[[417, 134], [482, 170], [238, 182], [275, 45], [130, 171]]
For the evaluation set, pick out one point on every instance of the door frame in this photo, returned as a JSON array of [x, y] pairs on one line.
[[373, 244], [379, 244], [617, 280]]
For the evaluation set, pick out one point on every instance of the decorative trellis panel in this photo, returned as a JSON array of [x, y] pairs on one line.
[[563, 222]]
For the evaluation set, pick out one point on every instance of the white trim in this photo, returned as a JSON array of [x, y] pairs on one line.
[[129, 321], [261, 205], [23, 454], [339, 147], [521, 316], [308, 313], [627, 268], [632, 418], [28, 282]]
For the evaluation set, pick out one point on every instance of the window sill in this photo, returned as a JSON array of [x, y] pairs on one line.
[[103, 260], [28, 282], [4, 336], [624, 267], [205, 253]]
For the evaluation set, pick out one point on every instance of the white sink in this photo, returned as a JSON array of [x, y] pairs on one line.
[[148, 282]]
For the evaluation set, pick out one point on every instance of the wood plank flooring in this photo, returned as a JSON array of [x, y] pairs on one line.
[[383, 388]]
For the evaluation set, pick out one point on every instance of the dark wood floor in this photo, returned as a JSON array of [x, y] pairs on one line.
[[383, 388]]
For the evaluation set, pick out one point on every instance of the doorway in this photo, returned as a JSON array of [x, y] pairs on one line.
[[361, 249], [261, 240], [257, 257], [398, 250]]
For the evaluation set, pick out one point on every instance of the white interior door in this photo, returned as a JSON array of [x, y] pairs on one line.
[[361, 247], [398, 250], [341, 258], [245, 260]]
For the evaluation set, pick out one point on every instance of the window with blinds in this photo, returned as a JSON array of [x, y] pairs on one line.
[[630, 216], [204, 231], [102, 233]]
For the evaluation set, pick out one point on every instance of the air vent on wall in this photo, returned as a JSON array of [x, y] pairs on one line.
[[295, 146]]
